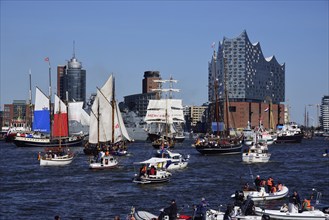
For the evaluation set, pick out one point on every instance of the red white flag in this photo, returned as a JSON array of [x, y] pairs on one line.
[[47, 59]]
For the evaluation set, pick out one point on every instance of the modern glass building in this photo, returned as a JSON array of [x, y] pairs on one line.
[[324, 109], [249, 77], [71, 81]]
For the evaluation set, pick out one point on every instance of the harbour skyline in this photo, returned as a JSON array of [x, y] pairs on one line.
[[175, 37]]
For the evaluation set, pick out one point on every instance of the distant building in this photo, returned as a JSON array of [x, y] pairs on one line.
[[324, 111], [17, 114], [71, 81], [255, 84], [148, 81], [139, 102]]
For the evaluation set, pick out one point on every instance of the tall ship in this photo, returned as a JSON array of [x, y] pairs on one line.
[[221, 141], [107, 130], [45, 131], [165, 117]]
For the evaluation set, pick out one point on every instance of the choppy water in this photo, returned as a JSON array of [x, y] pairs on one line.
[[28, 191]]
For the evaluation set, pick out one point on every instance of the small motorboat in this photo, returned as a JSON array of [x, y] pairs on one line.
[[325, 154], [144, 215], [152, 171], [177, 160], [263, 195], [256, 153], [55, 157], [106, 161], [292, 213]]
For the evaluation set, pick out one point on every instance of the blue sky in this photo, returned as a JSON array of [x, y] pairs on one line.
[[174, 37]]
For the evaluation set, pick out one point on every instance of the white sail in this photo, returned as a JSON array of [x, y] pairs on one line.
[[119, 126], [85, 118], [101, 117], [165, 111], [75, 111], [59, 106], [176, 110]]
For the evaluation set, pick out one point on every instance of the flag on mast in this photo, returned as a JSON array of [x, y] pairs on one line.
[[47, 59]]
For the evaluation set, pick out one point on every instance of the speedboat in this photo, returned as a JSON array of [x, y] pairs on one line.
[[55, 157], [257, 153], [292, 213], [104, 162], [152, 171], [177, 161], [263, 195]]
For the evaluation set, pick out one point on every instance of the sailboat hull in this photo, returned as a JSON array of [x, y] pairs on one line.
[[297, 138], [46, 142], [211, 149], [153, 137]]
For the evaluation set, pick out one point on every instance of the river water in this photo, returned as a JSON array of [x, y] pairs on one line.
[[29, 191]]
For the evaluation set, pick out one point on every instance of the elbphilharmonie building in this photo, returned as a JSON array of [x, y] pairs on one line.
[[253, 82]]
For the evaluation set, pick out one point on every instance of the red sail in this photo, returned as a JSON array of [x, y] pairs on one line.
[[60, 128]]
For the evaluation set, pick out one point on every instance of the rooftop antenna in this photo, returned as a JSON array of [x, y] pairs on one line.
[[73, 49]]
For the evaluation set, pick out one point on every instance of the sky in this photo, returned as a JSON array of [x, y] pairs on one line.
[[127, 38]]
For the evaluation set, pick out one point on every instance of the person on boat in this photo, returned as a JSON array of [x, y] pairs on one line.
[[269, 184], [229, 212], [142, 170], [171, 211], [279, 187], [306, 206], [294, 199], [201, 210], [258, 183], [152, 170]]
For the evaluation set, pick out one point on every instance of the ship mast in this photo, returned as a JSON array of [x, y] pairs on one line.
[[30, 101], [49, 97], [113, 108]]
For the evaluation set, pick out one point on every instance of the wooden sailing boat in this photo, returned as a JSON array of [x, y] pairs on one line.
[[107, 131], [221, 142], [61, 155]]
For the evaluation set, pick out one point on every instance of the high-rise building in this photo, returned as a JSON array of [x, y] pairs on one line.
[[139, 102], [71, 81], [324, 111], [253, 82], [148, 81]]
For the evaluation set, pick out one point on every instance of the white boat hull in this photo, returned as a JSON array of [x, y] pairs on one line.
[[262, 195], [255, 158], [59, 161], [305, 215], [177, 165], [107, 162]]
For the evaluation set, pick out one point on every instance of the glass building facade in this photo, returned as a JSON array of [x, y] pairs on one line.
[[324, 109], [249, 76], [72, 81]]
